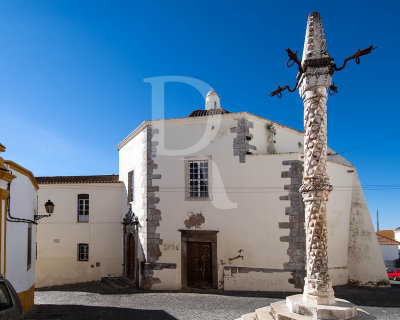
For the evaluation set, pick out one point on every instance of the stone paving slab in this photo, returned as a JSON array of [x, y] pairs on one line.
[[96, 301]]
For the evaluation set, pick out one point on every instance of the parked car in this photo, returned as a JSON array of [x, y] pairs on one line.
[[393, 274], [10, 305]]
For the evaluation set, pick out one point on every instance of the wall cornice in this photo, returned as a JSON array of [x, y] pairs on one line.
[[233, 115], [16, 167]]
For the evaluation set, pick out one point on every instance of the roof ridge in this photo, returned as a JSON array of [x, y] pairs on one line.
[[104, 178], [85, 175], [387, 238], [209, 112]]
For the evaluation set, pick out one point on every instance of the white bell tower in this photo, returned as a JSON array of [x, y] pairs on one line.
[[212, 100]]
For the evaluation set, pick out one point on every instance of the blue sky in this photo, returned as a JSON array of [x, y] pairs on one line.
[[71, 77]]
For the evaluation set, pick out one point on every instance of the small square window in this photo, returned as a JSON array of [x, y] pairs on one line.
[[83, 252]]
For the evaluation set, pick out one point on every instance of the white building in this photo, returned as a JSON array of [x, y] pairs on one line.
[[217, 201], [216, 194], [83, 241], [18, 206], [390, 250], [397, 236]]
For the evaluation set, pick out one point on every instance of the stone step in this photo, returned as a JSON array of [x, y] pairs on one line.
[[341, 309], [264, 313], [249, 316], [280, 311]]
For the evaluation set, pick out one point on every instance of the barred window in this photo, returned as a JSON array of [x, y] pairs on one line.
[[83, 252], [83, 208], [198, 179], [131, 186]]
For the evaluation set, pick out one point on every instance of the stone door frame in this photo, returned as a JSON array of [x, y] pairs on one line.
[[199, 236], [131, 230]]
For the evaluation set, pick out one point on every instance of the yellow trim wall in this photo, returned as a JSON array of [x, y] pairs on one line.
[[27, 298], [3, 198], [2, 257], [5, 237], [25, 197], [15, 166]]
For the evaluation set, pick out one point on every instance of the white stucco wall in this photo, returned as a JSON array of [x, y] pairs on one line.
[[365, 258], [390, 254], [131, 158], [245, 220], [286, 139], [397, 237], [23, 199], [245, 207], [59, 236]]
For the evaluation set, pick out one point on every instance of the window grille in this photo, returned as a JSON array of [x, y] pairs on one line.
[[83, 252], [198, 179]]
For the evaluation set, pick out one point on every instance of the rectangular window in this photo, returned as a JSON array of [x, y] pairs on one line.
[[131, 186], [198, 178], [29, 246], [83, 208], [83, 252]]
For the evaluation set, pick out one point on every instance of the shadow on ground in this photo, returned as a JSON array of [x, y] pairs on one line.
[[361, 296], [370, 296], [76, 312]]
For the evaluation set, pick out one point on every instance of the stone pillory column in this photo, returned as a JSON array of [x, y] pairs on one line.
[[313, 81], [313, 86]]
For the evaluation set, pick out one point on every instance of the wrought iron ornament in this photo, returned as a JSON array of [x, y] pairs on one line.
[[303, 68]]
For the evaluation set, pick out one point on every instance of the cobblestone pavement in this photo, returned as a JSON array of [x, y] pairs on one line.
[[101, 302]]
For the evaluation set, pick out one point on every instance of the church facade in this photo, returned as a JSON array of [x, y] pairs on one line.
[[215, 203], [216, 195]]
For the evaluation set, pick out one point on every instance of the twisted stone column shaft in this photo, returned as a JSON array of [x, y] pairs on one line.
[[315, 191]]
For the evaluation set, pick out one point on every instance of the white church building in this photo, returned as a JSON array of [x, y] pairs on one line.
[[215, 203]]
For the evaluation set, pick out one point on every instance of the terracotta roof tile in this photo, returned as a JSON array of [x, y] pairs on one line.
[[211, 112], [386, 233], [386, 240], [112, 178]]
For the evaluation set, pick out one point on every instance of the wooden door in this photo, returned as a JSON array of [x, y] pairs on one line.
[[199, 265], [131, 256]]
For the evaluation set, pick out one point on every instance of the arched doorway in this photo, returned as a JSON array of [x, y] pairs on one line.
[[131, 266], [131, 256]]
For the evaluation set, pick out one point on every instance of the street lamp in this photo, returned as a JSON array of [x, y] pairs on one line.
[[49, 206]]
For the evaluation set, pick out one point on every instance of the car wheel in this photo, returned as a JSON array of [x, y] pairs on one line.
[[394, 278]]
